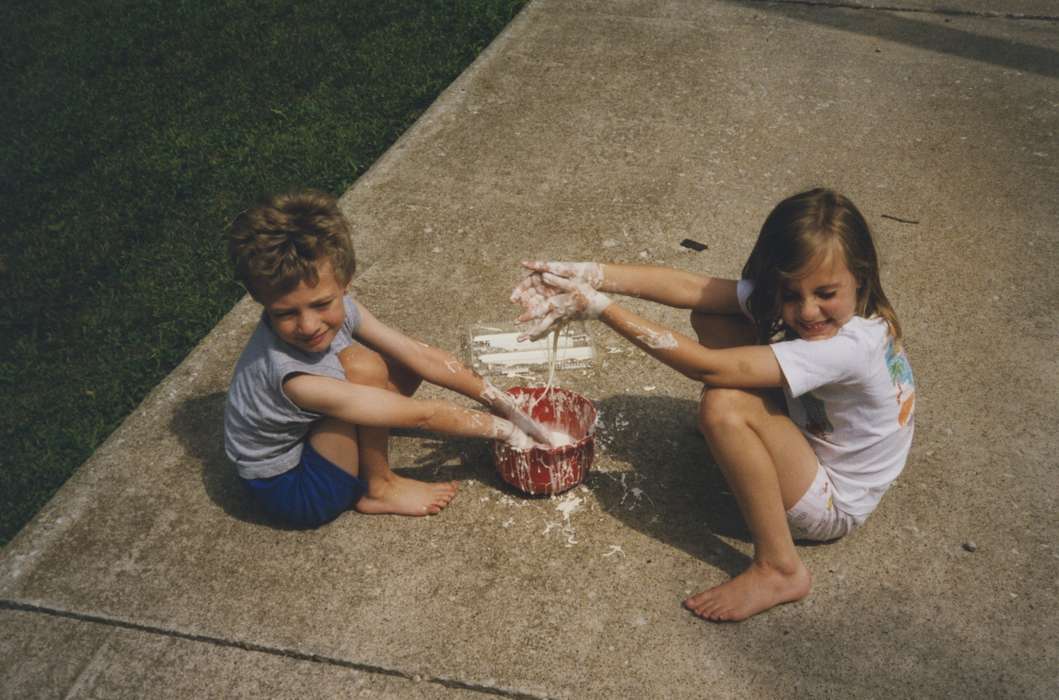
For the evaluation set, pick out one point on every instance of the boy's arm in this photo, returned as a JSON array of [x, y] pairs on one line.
[[431, 363], [442, 368], [370, 406]]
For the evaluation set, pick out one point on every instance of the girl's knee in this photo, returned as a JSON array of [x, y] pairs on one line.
[[700, 323], [722, 331], [722, 408]]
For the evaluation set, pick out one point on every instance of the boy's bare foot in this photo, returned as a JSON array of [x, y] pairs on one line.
[[759, 588], [401, 496]]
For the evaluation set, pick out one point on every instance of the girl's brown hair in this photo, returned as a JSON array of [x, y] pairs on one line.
[[275, 246], [796, 233]]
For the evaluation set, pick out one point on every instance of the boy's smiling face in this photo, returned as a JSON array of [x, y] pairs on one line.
[[308, 318], [815, 305]]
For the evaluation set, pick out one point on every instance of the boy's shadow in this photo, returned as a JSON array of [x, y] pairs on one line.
[[199, 425], [673, 491]]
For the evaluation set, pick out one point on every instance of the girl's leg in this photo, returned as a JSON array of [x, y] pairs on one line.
[[364, 451], [769, 466], [718, 331]]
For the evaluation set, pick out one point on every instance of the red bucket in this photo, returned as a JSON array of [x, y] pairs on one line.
[[542, 471]]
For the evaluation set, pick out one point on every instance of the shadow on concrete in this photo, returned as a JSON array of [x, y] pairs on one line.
[[448, 458], [673, 492], [902, 29], [199, 425], [683, 498]]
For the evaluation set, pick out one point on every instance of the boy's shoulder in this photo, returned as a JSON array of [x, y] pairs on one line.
[[259, 350]]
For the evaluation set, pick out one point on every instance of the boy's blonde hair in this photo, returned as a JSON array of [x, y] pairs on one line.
[[797, 233], [275, 246]]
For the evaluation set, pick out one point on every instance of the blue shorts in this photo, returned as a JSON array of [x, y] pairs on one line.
[[311, 494]]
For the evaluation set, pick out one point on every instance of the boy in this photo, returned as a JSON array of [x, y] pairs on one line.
[[322, 381]]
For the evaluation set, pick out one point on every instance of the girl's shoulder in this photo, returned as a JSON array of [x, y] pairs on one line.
[[874, 330], [874, 337]]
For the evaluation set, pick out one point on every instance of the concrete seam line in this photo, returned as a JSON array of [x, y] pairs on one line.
[[7, 604], [947, 12]]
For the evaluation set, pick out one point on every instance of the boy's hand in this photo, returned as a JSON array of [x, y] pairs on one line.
[[507, 432], [567, 299], [504, 405]]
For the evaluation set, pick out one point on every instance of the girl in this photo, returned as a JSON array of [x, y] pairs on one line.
[[809, 317]]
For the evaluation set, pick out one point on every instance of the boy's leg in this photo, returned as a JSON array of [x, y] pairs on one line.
[[769, 465], [366, 449]]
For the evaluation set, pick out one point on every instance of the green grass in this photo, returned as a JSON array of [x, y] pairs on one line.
[[134, 131]]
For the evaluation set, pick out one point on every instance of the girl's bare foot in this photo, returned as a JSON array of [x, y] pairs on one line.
[[401, 496], [759, 588]]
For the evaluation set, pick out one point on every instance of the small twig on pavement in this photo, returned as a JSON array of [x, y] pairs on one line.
[[897, 218]]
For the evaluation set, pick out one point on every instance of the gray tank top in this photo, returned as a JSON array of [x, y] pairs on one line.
[[263, 429]]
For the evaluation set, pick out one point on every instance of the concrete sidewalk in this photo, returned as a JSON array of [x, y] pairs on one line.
[[611, 131]]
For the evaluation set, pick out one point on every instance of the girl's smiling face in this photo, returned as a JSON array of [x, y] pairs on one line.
[[819, 300], [307, 317]]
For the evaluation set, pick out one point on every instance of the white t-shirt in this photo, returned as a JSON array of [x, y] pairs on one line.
[[853, 396]]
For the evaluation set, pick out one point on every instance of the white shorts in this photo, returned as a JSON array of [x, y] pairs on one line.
[[815, 516]]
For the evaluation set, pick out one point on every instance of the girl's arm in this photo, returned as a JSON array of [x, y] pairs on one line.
[[370, 406], [751, 366], [672, 287], [664, 285]]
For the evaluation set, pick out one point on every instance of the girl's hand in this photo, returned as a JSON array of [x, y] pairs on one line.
[[566, 300], [585, 302], [533, 294], [590, 273]]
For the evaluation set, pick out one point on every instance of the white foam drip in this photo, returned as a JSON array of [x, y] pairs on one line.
[[568, 506], [561, 438], [552, 355], [658, 341]]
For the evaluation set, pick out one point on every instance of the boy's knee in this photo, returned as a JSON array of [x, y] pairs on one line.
[[365, 366]]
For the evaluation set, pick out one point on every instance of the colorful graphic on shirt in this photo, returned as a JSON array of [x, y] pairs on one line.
[[816, 420], [905, 383]]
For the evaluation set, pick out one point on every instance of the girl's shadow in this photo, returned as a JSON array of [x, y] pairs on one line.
[[653, 473], [661, 480]]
